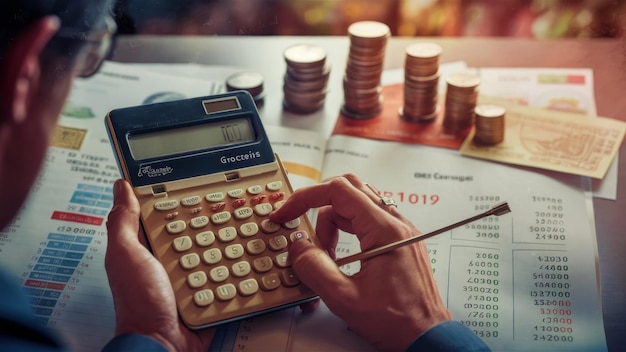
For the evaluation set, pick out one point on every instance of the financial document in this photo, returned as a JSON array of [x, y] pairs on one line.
[[524, 281]]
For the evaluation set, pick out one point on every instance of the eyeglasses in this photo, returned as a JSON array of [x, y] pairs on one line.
[[97, 47]]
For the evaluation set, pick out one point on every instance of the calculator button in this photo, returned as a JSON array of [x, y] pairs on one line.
[[256, 189], [176, 227], [270, 282], [219, 274], [274, 186], [166, 205], [196, 279], [182, 244], [263, 209], [203, 298], [292, 224], [279, 204], [269, 226], [248, 287], [199, 222], [227, 234], [172, 215], [226, 292], [238, 203], [190, 261], [242, 213], [212, 256], [191, 201], [234, 251], [195, 210], [249, 229], [218, 207], [204, 239], [256, 246], [289, 278], [220, 218], [277, 243], [298, 235], [215, 197], [282, 260], [277, 196], [241, 268], [262, 264], [236, 193], [258, 199]]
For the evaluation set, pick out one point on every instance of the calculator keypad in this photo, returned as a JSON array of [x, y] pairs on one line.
[[224, 256]]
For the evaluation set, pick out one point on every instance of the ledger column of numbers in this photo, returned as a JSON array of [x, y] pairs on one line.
[[544, 306], [482, 306], [543, 299]]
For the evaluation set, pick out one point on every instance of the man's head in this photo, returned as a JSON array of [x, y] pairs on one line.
[[43, 45]]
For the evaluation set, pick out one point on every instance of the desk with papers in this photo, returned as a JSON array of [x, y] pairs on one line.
[[606, 59], [525, 287]]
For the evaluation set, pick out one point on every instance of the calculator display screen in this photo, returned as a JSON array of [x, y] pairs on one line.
[[191, 138]]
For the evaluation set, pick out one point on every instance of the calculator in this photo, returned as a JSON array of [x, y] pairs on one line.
[[206, 178]]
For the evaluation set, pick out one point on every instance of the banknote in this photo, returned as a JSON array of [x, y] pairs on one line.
[[551, 140]]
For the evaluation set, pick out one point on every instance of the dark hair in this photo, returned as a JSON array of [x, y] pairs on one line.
[[77, 16]]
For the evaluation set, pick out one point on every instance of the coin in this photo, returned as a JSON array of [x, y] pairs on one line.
[[306, 78], [421, 81], [489, 124], [362, 79], [305, 55], [251, 82]]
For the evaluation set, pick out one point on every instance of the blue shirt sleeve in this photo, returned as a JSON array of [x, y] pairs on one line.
[[21, 331], [133, 342], [448, 336]]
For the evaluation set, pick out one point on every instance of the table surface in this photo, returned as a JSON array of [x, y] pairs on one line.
[[607, 58]]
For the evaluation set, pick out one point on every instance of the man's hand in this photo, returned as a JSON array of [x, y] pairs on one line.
[[394, 297], [142, 293]]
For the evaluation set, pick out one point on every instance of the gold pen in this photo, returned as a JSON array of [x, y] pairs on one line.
[[497, 210]]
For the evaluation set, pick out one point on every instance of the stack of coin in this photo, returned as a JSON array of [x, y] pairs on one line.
[[361, 83], [421, 78], [461, 97], [306, 78], [251, 82], [489, 124]]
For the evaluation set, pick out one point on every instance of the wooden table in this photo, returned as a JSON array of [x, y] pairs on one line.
[[607, 58]]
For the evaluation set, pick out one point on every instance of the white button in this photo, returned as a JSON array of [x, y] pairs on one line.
[[227, 234], [191, 201], [219, 273], [255, 246], [241, 268], [190, 261], [196, 279], [249, 229], [203, 298], [248, 287], [263, 209], [234, 251], [274, 186], [242, 213], [256, 189], [226, 292], [182, 244], [176, 227], [206, 238], [236, 193], [212, 256], [220, 218], [215, 197], [200, 221], [166, 205]]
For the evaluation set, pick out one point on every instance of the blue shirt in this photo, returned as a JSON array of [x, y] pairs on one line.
[[21, 331]]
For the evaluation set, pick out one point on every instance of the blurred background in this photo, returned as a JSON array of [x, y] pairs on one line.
[[449, 18]]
